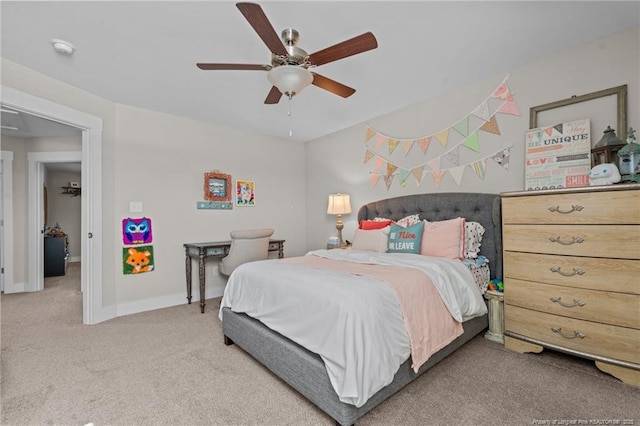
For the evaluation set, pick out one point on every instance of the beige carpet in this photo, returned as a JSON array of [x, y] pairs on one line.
[[170, 367]]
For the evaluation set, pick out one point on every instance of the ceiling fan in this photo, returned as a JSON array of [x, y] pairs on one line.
[[289, 69]]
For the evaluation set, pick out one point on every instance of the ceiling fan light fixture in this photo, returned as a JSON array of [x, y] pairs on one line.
[[290, 79]]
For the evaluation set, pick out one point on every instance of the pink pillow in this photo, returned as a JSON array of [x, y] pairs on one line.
[[444, 238]]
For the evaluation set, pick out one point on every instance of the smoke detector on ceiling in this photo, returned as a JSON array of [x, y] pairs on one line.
[[63, 47]]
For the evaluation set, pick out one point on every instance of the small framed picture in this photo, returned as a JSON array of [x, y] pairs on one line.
[[245, 193], [217, 186]]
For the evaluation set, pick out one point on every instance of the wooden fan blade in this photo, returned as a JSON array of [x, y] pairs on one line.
[[332, 86], [260, 23], [273, 97], [347, 48], [247, 67]]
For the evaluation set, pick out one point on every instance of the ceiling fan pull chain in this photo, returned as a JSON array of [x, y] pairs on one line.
[[290, 117]]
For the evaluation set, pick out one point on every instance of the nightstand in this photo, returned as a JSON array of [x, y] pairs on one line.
[[495, 302]]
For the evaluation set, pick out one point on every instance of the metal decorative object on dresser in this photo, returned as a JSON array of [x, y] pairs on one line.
[[571, 263]]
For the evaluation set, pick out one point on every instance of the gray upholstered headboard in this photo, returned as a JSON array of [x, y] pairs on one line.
[[478, 207]]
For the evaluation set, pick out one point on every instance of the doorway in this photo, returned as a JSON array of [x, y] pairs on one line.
[[91, 203]]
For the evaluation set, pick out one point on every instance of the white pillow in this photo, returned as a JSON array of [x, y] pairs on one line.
[[371, 240]]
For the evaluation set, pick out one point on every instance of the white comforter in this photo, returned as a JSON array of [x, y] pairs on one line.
[[353, 322]]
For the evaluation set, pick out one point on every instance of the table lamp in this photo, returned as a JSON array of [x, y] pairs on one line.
[[339, 204]]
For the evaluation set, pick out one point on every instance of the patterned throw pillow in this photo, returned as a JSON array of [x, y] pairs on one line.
[[473, 238], [404, 222], [405, 240], [409, 220]]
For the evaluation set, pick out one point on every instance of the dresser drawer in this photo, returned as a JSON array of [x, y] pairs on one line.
[[585, 336], [584, 272], [592, 305], [612, 207], [616, 241]]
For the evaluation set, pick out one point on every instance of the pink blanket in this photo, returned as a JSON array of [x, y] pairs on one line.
[[429, 324]]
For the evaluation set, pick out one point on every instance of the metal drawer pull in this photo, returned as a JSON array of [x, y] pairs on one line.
[[574, 208], [576, 271], [568, 336], [575, 303], [566, 243]]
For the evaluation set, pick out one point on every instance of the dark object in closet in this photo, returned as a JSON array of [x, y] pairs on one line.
[[55, 256]]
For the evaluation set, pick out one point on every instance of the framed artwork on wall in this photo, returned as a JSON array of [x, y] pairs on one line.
[[603, 108], [217, 186], [245, 193]]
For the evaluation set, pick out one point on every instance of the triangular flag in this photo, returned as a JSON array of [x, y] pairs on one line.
[[388, 180], [502, 158], [443, 137], [424, 144], [479, 168], [390, 169], [548, 131], [435, 164], [559, 128], [453, 157], [374, 180], [406, 147], [369, 134], [437, 177], [404, 174], [417, 173], [472, 142], [393, 144], [482, 111], [509, 107], [501, 92], [491, 126], [379, 140], [457, 173], [379, 162], [368, 155], [462, 126]]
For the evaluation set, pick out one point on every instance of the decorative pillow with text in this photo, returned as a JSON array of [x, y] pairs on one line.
[[405, 240]]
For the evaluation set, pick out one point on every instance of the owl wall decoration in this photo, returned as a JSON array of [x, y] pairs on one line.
[[136, 231]]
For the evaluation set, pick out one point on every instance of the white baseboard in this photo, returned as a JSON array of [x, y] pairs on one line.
[[14, 288], [74, 259], [151, 304]]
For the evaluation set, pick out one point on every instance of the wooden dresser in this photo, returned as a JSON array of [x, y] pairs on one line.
[[572, 274]]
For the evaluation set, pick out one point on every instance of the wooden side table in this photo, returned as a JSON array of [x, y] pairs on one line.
[[496, 316]]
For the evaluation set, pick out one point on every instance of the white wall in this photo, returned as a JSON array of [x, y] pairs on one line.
[[336, 163], [161, 163]]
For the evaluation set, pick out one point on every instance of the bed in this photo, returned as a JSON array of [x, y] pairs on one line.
[[306, 371]]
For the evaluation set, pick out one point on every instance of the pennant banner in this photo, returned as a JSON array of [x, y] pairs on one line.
[[482, 111], [437, 173], [483, 118]]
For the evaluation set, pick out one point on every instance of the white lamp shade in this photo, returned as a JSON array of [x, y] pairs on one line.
[[339, 204], [290, 79]]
